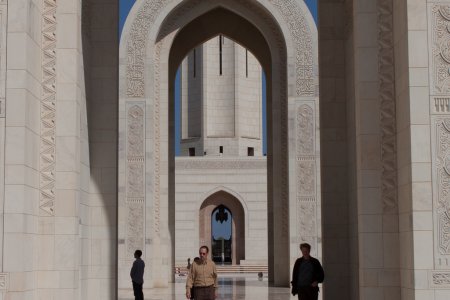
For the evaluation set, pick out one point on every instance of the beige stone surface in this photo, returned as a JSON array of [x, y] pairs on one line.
[[357, 167]]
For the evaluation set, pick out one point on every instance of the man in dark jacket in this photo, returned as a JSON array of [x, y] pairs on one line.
[[137, 275], [306, 276]]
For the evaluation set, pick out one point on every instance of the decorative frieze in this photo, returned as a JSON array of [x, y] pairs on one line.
[[48, 108], [440, 105], [305, 173], [439, 279], [137, 46], [302, 37], [386, 81], [135, 178], [440, 48], [3, 281], [441, 181], [220, 164]]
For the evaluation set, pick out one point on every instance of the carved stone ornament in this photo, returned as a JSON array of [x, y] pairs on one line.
[[306, 173], [440, 105], [302, 36], [440, 279], [3, 281], [441, 165], [47, 163], [386, 85], [440, 49], [219, 164], [135, 228], [135, 174], [137, 45], [305, 131]]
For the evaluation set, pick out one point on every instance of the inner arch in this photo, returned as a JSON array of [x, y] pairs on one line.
[[223, 21]]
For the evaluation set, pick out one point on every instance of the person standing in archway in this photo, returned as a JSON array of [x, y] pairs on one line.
[[202, 277], [137, 275], [307, 275]]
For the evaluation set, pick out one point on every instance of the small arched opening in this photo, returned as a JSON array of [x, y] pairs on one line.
[[222, 228]]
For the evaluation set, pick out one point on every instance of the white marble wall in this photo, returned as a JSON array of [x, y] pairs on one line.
[[99, 165], [22, 131], [334, 149], [197, 178]]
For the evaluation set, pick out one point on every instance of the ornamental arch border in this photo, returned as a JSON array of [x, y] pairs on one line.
[[145, 158]]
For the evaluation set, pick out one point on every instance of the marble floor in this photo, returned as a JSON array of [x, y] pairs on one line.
[[231, 287]]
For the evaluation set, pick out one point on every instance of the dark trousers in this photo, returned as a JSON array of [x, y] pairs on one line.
[[204, 293], [137, 289], [308, 293]]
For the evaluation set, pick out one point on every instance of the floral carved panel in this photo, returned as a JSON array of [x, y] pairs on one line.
[[441, 190], [440, 51], [135, 178], [305, 173]]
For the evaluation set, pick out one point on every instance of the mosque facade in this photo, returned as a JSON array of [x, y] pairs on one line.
[[357, 97]]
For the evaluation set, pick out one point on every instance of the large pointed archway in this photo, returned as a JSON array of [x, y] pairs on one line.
[[156, 38]]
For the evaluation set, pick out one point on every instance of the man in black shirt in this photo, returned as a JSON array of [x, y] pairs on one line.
[[137, 275], [306, 276]]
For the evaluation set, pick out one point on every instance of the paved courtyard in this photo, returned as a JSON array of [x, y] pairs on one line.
[[232, 287]]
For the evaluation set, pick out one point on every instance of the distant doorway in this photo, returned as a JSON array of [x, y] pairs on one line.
[[222, 228], [221, 235]]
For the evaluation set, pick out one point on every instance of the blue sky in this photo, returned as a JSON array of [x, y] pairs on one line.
[[124, 9]]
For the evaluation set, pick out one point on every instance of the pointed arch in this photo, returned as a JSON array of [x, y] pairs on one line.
[[238, 226]]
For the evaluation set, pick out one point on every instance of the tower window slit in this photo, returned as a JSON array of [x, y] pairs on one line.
[[246, 63], [195, 63], [220, 54]]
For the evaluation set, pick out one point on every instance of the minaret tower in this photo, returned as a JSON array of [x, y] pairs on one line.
[[221, 101]]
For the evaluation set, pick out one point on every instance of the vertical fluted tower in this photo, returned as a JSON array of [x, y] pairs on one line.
[[221, 101]]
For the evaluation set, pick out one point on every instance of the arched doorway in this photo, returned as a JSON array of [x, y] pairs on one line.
[[221, 237], [206, 212], [157, 36]]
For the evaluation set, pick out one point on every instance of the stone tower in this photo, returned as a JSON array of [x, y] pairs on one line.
[[221, 101]]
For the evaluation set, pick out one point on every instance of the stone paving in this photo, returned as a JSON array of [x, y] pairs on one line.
[[232, 287]]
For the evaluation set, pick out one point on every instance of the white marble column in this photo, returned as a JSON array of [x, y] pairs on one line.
[[22, 133]]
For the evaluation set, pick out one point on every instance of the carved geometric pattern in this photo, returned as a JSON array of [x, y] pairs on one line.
[[387, 106], [306, 173], [305, 131], [220, 164], [135, 174], [441, 162], [440, 279], [440, 51], [135, 228], [136, 46], [301, 34], [3, 281], [48, 108]]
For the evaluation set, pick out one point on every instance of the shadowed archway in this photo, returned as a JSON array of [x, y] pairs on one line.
[[238, 222], [224, 21]]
